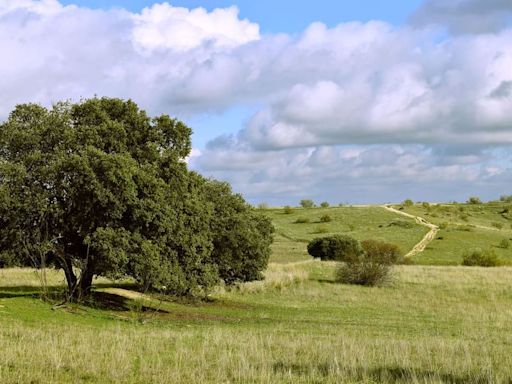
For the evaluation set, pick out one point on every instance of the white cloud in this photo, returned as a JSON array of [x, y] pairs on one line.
[[164, 27], [360, 108]]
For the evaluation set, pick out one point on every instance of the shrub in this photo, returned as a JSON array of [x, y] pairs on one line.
[[321, 229], [401, 224], [408, 202], [478, 257], [465, 228], [497, 225], [443, 225], [336, 247], [363, 273], [324, 204], [382, 252], [371, 267], [474, 200], [505, 244], [506, 198], [307, 203], [302, 220], [425, 205], [288, 210], [351, 227], [326, 218]]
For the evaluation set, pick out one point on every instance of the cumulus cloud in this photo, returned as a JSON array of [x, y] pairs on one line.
[[465, 16], [361, 174], [361, 106], [163, 26]]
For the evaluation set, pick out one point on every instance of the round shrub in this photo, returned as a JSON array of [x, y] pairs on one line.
[[478, 257], [372, 266], [324, 204], [363, 273], [287, 210], [306, 203], [382, 252], [302, 220], [326, 218], [336, 247], [504, 243]]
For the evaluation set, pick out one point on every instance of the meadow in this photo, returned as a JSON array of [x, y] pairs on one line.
[[432, 324]]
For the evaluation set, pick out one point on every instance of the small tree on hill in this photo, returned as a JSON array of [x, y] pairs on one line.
[[474, 200], [307, 203]]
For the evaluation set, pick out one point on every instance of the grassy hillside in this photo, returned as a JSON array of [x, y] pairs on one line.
[[434, 324], [359, 222], [464, 227]]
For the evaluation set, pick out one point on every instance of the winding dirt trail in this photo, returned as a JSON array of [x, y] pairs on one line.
[[420, 247]]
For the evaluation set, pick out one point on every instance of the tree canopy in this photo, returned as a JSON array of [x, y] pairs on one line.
[[98, 188]]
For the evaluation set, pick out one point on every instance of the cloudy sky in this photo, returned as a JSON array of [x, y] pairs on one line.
[[341, 101]]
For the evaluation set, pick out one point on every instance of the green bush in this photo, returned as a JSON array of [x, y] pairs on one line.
[[482, 258], [351, 227], [408, 202], [326, 218], [302, 220], [443, 225], [401, 223], [505, 244], [321, 229], [474, 200], [307, 203], [497, 225], [324, 204], [336, 247], [288, 210], [371, 267], [382, 252]]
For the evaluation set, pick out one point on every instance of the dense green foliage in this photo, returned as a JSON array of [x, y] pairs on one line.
[[336, 247], [306, 203], [241, 237], [371, 267], [481, 258], [100, 188]]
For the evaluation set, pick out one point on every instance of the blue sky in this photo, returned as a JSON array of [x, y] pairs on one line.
[[286, 15], [346, 101]]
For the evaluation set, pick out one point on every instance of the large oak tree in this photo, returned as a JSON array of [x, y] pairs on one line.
[[99, 188]]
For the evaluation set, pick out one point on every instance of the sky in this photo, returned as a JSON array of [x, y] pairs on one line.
[[339, 101]]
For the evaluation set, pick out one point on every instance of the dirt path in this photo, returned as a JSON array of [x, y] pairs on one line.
[[420, 247]]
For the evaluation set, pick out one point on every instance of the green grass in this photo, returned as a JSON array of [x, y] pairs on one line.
[[468, 227], [359, 222], [432, 325]]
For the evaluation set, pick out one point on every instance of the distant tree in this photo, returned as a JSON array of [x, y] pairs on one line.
[[324, 204], [408, 202], [506, 198], [99, 188], [263, 206], [474, 200], [307, 203], [287, 210]]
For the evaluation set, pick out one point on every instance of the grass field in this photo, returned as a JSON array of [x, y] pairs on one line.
[[465, 227], [359, 222], [432, 324]]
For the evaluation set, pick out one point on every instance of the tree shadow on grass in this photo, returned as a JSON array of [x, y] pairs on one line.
[[97, 299]]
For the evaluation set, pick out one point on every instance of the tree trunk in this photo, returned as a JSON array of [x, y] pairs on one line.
[[85, 284]]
